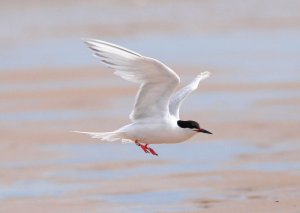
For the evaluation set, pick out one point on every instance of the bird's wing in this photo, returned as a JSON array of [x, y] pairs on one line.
[[157, 81], [180, 95]]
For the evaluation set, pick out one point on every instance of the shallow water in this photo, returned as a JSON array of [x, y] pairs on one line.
[[251, 104], [202, 157], [260, 57], [151, 199], [36, 188]]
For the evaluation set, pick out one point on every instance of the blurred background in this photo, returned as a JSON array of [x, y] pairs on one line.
[[50, 85]]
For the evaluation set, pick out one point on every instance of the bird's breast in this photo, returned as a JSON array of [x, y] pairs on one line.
[[158, 133]]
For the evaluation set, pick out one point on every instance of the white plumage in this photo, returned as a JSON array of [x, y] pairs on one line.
[[156, 109]]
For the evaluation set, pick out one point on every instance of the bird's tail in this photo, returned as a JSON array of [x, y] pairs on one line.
[[106, 136]]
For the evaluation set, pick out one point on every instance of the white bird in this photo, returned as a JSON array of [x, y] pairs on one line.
[[155, 116]]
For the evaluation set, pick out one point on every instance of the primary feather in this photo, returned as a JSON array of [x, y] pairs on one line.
[[157, 81], [181, 94]]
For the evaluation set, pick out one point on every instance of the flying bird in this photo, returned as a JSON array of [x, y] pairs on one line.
[[155, 115]]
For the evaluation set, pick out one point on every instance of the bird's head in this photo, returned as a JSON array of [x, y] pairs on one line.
[[193, 125]]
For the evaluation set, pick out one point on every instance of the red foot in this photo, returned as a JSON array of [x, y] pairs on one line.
[[152, 151], [146, 149]]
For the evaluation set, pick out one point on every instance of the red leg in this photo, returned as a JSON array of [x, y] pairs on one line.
[[153, 152], [145, 148]]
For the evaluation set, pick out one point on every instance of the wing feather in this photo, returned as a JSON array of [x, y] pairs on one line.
[[180, 95], [157, 81]]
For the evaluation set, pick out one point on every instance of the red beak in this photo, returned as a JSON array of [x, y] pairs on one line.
[[203, 131]]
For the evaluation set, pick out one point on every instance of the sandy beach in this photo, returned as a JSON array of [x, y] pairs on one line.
[[51, 85]]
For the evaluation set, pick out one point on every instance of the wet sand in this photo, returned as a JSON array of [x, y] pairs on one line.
[[51, 85], [46, 168]]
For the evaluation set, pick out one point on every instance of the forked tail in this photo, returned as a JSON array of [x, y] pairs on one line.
[[107, 136]]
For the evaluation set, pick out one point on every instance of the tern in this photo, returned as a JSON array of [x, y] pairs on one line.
[[155, 115]]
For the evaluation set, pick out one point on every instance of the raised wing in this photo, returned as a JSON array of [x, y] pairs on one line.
[[180, 95], [157, 81]]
